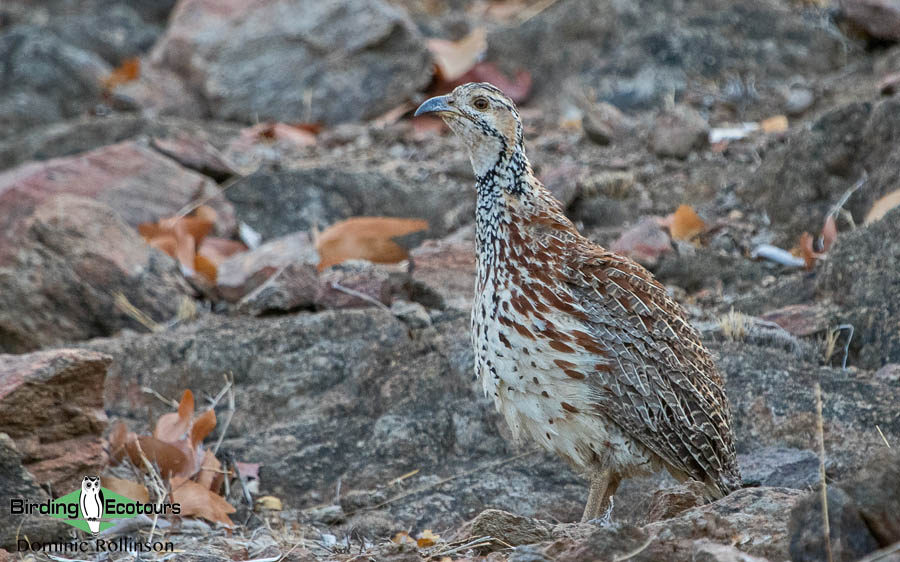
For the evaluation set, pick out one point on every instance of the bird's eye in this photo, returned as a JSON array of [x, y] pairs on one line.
[[480, 103]]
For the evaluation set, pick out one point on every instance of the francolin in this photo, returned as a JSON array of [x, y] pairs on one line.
[[580, 348]]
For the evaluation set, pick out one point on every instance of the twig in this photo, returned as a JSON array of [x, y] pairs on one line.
[[474, 543], [883, 438], [191, 207], [536, 10], [636, 551], [820, 431], [231, 409], [403, 477], [849, 328], [160, 397], [338, 287], [136, 314], [159, 487], [843, 200]]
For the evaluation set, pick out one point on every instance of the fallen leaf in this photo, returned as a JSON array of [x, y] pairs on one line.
[[427, 538], [119, 437], [167, 457], [684, 223], [210, 474], [202, 427], [199, 501], [828, 234], [774, 124], [452, 59], [174, 426], [180, 236], [205, 267], [248, 470], [128, 71], [402, 538], [129, 489], [270, 503], [279, 132], [882, 206], [369, 238]]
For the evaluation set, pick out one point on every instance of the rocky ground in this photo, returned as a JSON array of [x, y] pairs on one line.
[[352, 387]]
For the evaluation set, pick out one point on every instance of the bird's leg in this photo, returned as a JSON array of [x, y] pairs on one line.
[[603, 486]]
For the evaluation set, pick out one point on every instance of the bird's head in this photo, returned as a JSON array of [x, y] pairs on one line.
[[485, 119]]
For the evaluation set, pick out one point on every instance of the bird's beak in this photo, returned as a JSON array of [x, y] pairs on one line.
[[439, 104]]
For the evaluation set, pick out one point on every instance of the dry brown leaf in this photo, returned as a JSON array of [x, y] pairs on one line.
[[829, 233], [452, 59], [210, 474], [119, 437], [202, 427], [174, 426], [128, 71], [427, 538], [217, 250], [199, 501], [129, 489], [270, 503], [168, 457], [368, 238], [684, 223], [882, 206], [402, 538], [280, 132], [248, 469], [804, 249], [774, 124], [205, 267]]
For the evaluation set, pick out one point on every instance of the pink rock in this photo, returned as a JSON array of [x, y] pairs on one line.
[[51, 405], [138, 183], [447, 267], [644, 242], [66, 267]]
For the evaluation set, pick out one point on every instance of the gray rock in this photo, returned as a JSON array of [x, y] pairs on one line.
[[678, 132], [281, 203], [860, 276], [295, 60], [781, 467], [115, 32], [823, 162], [636, 54], [850, 537], [45, 79], [773, 404], [70, 260], [510, 528]]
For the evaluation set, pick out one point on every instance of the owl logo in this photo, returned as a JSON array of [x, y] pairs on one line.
[[91, 502]]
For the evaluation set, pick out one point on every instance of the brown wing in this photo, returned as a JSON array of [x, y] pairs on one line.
[[655, 380]]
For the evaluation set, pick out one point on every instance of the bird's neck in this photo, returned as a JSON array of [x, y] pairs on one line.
[[504, 191]]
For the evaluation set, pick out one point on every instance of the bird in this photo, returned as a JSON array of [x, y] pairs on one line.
[[581, 349], [91, 502]]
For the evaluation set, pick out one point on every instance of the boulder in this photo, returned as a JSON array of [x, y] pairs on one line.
[[678, 132], [68, 264], [17, 483], [860, 276], [45, 79], [51, 405], [294, 60], [138, 183], [822, 162], [281, 203]]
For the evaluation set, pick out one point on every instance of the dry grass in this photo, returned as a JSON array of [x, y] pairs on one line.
[[734, 325]]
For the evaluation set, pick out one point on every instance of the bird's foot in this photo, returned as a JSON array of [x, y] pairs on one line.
[[606, 519]]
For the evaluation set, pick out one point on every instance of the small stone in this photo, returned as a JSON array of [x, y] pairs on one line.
[[678, 132], [670, 502], [644, 242], [412, 314], [329, 515], [510, 528], [798, 100], [604, 124]]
